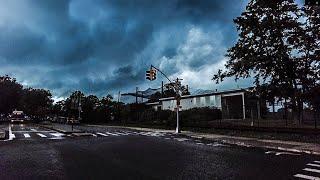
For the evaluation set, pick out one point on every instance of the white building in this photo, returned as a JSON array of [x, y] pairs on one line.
[[232, 103]]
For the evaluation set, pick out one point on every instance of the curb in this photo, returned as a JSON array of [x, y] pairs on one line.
[[267, 147], [187, 133], [60, 130]]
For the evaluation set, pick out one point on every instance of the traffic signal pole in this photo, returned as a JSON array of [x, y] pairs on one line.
[[177, 128], [175, 85]]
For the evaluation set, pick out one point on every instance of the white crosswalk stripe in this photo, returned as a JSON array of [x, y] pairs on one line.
[[121, 133], [101, 134], [306, 177], [56, 134], [314, 165], [26, 135], [41, 135], [112, 134], [312, 170]]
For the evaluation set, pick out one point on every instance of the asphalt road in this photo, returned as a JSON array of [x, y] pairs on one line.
[[124, 154]]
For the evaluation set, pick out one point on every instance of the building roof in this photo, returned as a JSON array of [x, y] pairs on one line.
[[207, 94], [153, 103]]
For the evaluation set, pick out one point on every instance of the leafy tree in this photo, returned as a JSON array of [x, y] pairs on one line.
[[309, 52], [89, 108], [59, 108], [10, 94], [36, 102], [155, 97], [72, 103], [270, 33]]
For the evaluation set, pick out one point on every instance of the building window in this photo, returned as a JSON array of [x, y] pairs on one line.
[[207, 101]]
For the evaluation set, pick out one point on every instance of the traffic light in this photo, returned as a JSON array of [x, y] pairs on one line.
[[148, 75], [151, 74]]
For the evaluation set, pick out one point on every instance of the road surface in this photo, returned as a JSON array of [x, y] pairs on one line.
[[38, 153]]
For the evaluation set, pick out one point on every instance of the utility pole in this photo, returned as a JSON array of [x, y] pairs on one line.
[[118, 105], [136, 95], [79, 108], [119, 96], [177, 87], [161, 89]]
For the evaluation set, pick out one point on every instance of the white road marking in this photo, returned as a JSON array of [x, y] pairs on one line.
[[281, 153], [217, 144], [121, 133], [158, 134], [102, 134], [316, 161], [112, 134], [26, 135], [200, 143], [144, 133], [11, 136], [41, 135], [311, 170], [181, 139], [314, 165], [33, 130], [56, 138], [306, 177], [56, 134]]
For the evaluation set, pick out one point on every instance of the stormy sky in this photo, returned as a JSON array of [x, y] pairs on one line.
[[103, 46]]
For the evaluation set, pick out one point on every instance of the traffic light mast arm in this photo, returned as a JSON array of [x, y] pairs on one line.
[[161, 73]]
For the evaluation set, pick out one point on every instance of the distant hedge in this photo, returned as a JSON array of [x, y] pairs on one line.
[[193, 117]]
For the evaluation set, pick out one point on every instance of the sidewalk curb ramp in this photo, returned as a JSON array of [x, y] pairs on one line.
[[60, 130]]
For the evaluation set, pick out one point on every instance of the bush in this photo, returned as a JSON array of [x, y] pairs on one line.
[[199, 116], [196, 117]]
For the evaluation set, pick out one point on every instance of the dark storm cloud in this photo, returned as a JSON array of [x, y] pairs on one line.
[[100, 46]]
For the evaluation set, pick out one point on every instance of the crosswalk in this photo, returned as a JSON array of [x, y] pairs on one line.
[[311, 171], [127, 133], [35, 134], [56, 135]]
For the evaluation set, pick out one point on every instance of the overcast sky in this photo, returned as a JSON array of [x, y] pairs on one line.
[[103, 46]]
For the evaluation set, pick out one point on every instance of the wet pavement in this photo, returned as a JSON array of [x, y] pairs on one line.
[[113, 153]]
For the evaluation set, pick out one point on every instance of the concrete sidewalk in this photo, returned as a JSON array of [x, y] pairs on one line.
[[291, 146]]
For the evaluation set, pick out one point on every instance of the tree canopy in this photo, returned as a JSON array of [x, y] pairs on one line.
[[279, 47]]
